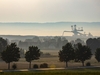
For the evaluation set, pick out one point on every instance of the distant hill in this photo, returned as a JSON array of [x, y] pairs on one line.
[[17, 37], [20, 37]]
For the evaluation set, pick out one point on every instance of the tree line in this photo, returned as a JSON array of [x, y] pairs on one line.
[[93, 43], [46, 43], [77, 52]]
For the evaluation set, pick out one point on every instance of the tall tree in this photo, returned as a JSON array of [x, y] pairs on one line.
[[82, 53], [93, 43], [3, 44], [66, 54], [97, 54], [11, 54], [32, 54]]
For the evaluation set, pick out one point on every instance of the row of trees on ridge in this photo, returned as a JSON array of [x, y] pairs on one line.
[[12, 53], [78, 53]]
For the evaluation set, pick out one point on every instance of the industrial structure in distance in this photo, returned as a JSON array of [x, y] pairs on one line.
[[77, 32]]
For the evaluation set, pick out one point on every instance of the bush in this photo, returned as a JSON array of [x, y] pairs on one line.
[[44, 65], [41, 65], [14, 66], [88, 64], [35, 66]]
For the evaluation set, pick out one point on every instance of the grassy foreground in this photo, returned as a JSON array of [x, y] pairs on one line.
[[54, 73], [94, 71]]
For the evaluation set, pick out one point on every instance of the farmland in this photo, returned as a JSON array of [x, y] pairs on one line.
[[54, 60]]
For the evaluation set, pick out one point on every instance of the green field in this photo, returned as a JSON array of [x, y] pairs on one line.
[[93, 71]]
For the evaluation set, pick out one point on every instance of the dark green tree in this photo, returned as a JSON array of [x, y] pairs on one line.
[[93, 43], [32, 54], [97, 54], [82, 53], [3, 44], [11, 54], [66, 54]]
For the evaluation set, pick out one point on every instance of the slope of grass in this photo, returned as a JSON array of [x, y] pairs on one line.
[[93, 71]]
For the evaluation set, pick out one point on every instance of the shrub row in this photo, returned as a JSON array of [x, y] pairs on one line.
[[44, 65]]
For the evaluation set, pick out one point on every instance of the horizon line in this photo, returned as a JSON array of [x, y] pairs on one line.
[[52, 22], [37, 35]]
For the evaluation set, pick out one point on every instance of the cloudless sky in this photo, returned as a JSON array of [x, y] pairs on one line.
[[48, 11]]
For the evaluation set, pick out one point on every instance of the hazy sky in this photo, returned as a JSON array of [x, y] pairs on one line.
[[46, 29], [49, 10]]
